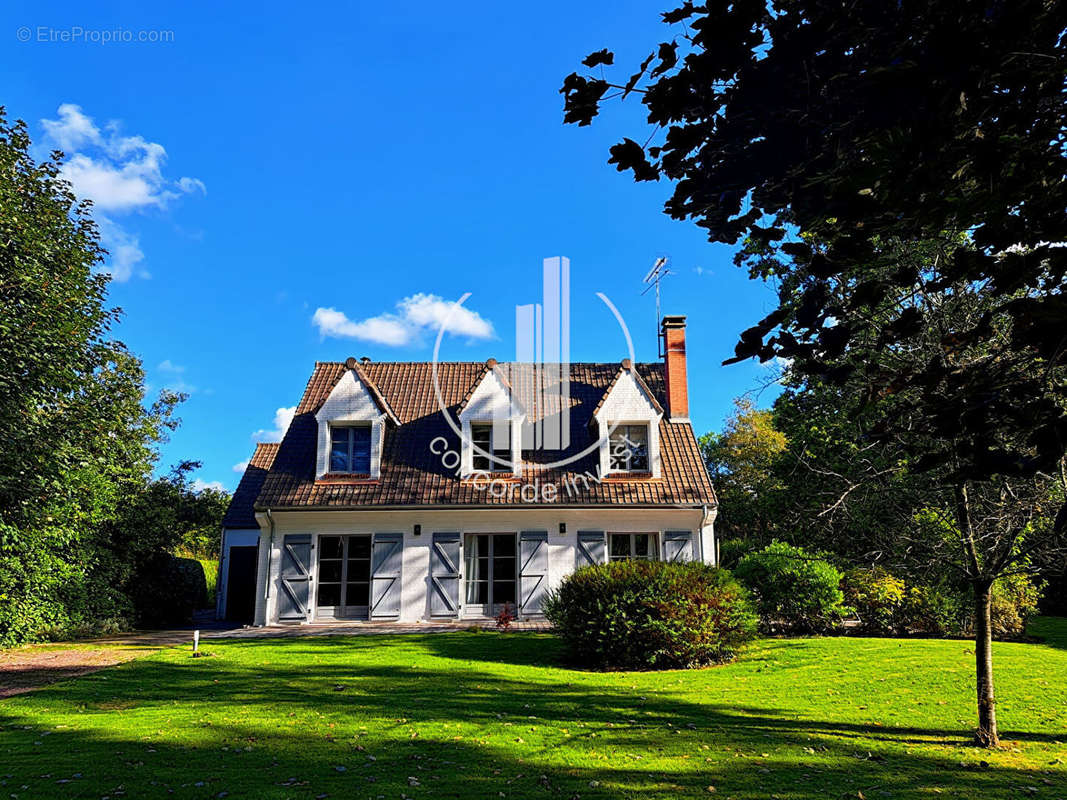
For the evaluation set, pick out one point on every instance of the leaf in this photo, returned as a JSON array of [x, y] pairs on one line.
[[628, 154], [684, 11], [668, 57], [604, 56], [581, 98], [630, 84]]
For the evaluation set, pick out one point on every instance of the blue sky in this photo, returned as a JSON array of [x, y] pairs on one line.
[[271, 161]]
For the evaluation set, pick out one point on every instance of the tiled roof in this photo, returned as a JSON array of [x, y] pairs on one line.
[[240, 513], [412, 475]]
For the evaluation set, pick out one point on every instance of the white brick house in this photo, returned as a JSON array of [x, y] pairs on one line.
[[398, 496]]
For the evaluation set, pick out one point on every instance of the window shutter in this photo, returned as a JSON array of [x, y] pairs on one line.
[[444, 575], [678, 546], [592, 548], [294, 598], [533, 572], [386, 562]]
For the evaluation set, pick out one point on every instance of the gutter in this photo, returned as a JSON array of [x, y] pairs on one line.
[[501, 506], [270, 553]]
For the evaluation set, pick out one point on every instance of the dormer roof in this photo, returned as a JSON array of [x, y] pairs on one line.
[[626, 370]]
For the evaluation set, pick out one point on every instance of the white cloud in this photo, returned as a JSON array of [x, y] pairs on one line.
[[282, 418], [416, 315], [198, 485], [190, 185], [240, 466], [702, 271], [384, 329], [175, 380], [125, 250], [72, 129], [430, 311], [120, 174]]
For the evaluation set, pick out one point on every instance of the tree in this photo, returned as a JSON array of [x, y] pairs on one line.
[[75, 434], [889, 452], [825, 138], [742, 462], [826, 132]]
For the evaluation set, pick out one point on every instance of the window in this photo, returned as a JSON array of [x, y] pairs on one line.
[[631, 546], [492, 567], [628, 448], [344, 574], [482, 437], [350, 449]]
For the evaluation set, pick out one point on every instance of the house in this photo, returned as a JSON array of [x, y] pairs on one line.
[[440, 491]]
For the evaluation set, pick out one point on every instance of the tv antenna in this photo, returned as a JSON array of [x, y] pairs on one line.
[[658, 272]]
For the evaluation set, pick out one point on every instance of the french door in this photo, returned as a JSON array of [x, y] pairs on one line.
[[344, 577], [492, 567]]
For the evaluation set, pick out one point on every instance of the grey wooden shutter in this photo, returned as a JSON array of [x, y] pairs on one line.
[[533, 570], [678, 546], [592, 548], [294, 598], [444, 575], [387, 555]]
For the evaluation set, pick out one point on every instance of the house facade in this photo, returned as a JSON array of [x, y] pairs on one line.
[[449, 491]]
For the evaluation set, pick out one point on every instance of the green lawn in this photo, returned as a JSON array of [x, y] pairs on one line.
[[484, 715]]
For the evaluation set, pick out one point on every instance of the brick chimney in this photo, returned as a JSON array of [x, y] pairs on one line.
[[674, 368]]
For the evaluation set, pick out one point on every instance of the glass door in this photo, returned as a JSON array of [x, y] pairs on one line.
[[492, 564], [343, 590]]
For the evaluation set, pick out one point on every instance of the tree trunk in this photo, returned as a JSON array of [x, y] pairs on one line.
[[986, 735]]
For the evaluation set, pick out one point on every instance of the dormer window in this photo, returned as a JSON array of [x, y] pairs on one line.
[[350, 448], [491, 420], [486, 441], [352, 428], [627, 423], [628, 448]]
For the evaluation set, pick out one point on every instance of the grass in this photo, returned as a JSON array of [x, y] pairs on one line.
[[211, 575], [485, 715]]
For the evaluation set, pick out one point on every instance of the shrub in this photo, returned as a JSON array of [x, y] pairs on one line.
[[651, 615], [1015, 601], [731, 552], [949, 610], [877, 597], [170, 590], [933, 610], [795, 590]]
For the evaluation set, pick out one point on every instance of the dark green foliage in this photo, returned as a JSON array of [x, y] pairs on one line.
[[731, 551], [168, 590], [899, 170], [859, 125], [651, 615], [78, 517], [795, 590], [935, 610]]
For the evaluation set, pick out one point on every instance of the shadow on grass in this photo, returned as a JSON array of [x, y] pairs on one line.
[[313, 705], [1052, 631]]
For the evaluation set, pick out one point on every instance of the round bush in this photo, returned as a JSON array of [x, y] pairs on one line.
[[877, 597], [651, 615], [795, 590]]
